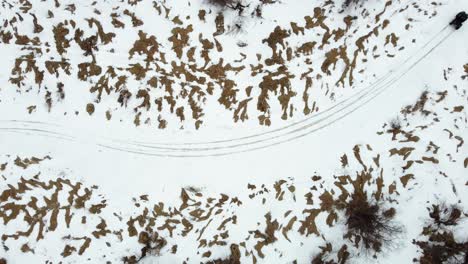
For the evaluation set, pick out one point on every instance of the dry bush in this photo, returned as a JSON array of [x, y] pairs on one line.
[[395, 127], [419, 106], [368, 224], [326, 256], [441, 246], [349, 2], [153, 244], [255, 9], [445, 215], [244, 10], [223, 3], [236, 5], [258, 10], [395, 124]]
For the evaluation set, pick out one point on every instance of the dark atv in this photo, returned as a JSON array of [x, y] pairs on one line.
[[457, 22]]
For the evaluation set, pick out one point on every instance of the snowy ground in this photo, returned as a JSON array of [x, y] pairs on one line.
[[86, 176]]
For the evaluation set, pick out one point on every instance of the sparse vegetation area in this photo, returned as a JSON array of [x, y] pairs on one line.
[[183, 65]]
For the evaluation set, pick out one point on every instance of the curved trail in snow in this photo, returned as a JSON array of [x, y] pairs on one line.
[[243, 144], [249, 139]]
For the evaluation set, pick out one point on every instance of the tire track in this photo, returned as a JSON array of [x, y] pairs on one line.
[[297, 123], [174, 146], [377, 91], [377, 87]]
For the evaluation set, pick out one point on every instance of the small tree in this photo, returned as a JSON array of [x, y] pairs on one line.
[[368, 223]]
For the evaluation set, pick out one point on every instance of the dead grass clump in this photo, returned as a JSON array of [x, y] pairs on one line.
[[441, 247], [234, 258], [465, 67], [90, 108], [124, 97], [368, 223]]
